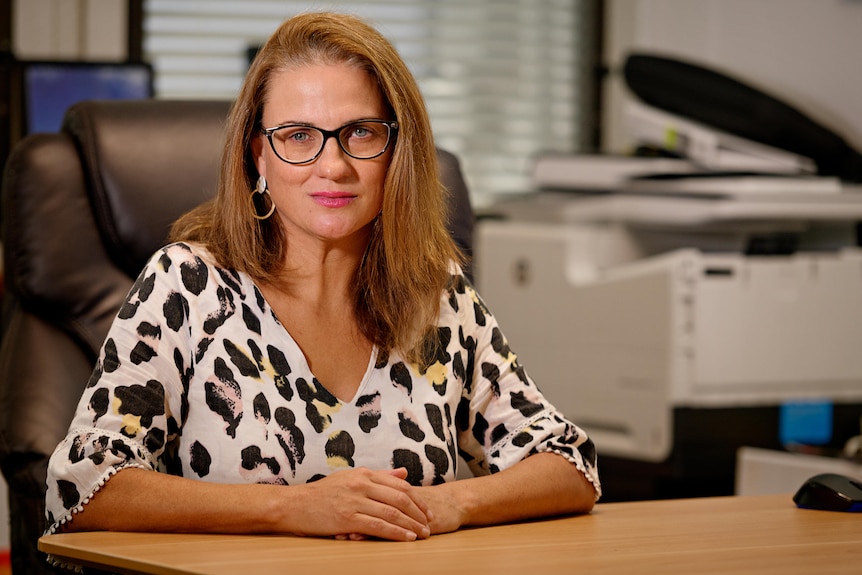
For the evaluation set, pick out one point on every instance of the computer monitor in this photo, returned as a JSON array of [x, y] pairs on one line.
[[49, 88]]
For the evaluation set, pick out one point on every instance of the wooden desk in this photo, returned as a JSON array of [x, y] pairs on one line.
[[757, 534]]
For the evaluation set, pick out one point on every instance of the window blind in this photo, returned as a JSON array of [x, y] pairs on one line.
[[502, 79]]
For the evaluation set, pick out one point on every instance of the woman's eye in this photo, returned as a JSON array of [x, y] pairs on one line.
[[299, 137]]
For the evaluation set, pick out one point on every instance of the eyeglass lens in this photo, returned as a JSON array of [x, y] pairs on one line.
[[361, 140]]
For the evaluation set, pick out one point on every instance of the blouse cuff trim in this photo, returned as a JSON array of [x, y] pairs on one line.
[[544, 414], [578, 462], [72, 567], [70, 515], [136, 445]]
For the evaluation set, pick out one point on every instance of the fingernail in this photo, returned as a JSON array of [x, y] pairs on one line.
[[411, 536], [426, 532]]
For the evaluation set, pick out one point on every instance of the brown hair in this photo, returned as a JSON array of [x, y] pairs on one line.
[[406, 266]]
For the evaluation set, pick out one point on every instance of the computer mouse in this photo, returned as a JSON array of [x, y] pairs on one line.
[[830, 492]]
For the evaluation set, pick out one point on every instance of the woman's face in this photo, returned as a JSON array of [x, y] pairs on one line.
[[335, 197]]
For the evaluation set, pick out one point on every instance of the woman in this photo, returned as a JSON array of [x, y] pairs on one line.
[[307, 357]]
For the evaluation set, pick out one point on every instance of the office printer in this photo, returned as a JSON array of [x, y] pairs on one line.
[[678, 309]]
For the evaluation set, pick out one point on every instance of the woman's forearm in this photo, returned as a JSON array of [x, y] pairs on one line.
[[542, 485], [140, 500]]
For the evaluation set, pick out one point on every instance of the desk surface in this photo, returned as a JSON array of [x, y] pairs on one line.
[[756, 534]]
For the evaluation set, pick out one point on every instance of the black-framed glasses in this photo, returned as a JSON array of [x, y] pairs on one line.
[[301, 143]]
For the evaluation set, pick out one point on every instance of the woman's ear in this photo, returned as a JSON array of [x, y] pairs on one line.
[[258, 150]]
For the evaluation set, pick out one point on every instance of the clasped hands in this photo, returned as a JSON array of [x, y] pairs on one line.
[[361, 503]]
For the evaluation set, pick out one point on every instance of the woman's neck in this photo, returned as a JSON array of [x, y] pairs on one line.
[[319, 274]]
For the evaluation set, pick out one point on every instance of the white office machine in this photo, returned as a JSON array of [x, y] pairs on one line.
[[624, 307], [707, 146], [683, 306]]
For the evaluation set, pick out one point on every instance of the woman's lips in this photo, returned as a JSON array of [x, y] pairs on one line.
[[333, 199]]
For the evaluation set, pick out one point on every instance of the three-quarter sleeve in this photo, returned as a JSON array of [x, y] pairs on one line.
[[130, 406], [503, 417]]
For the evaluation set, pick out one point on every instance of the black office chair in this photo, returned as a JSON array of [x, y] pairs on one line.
[[82, 210]]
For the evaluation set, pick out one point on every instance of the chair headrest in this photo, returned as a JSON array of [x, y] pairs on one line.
[[146, 162]]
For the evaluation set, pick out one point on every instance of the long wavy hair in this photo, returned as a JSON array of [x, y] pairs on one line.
[[406, 267]]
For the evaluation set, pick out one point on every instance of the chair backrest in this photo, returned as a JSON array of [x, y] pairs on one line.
[[82, 210], [76, 235]]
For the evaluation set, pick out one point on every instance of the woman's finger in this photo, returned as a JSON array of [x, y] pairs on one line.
[[406, 500], [415, 501]]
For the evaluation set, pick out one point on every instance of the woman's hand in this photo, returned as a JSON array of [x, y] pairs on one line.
[[445, 510], [360, 503]]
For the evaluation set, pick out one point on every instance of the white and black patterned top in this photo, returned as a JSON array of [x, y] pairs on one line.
[[198, 378]]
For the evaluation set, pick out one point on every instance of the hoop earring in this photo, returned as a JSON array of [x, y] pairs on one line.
[[263, 191]]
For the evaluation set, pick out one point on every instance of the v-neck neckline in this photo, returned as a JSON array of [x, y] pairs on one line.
[[306, 366]]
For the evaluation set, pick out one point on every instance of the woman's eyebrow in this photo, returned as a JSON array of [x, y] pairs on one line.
[[310, 125], [294, 123]]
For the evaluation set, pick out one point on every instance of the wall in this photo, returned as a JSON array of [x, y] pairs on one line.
[[805, 52]]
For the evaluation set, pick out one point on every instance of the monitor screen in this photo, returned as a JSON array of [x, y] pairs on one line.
[[51, 87]]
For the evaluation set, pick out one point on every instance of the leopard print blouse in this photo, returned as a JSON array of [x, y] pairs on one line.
[[198, 378]]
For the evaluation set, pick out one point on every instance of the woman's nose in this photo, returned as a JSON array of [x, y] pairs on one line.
[[333, 161]]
